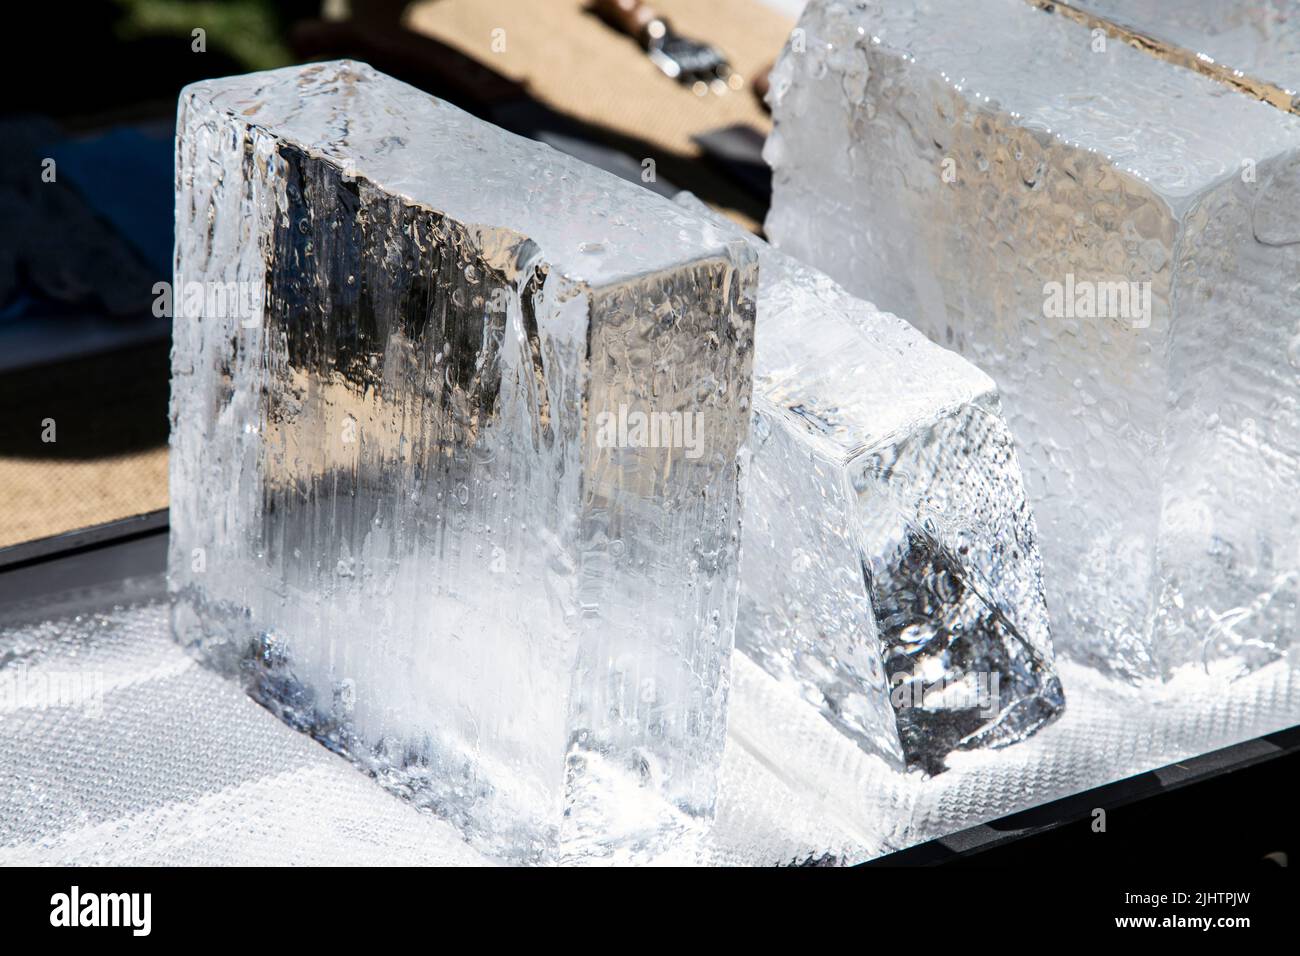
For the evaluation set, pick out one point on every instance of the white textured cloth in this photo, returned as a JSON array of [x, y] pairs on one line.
[[117, 748]]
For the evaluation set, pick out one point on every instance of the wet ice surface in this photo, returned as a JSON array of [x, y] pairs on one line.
[[393, 511], [1260, 38], [175, 765], [890, 567], [954, 163]]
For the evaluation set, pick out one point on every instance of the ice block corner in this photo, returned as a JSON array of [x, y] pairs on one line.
[[458, 492]]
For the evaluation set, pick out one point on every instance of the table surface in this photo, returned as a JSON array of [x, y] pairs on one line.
[[171, 763]]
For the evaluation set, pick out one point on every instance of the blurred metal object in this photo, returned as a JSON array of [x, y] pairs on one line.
[[698, 65]]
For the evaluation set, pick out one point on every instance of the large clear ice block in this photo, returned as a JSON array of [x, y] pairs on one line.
[[1115, 239], [890, 568], [410, 502]]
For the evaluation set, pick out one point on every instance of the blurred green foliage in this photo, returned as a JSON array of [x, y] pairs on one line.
[[249, 31]]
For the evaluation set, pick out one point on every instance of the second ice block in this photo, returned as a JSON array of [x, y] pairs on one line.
[[459, 492], [890, 566]]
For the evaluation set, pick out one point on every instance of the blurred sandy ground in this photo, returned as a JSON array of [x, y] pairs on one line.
[[109, 456], [42, 499], [573, 61]]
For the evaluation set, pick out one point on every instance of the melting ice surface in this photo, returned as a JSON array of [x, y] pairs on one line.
[[390, 510], [964, 165], [1260, 39]]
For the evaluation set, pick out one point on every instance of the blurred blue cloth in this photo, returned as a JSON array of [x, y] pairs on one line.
[[125, 175]]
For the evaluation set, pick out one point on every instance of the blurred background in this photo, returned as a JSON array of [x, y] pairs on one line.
[[668, 96]]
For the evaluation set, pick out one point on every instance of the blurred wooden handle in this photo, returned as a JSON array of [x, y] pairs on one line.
[[630, 16]]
